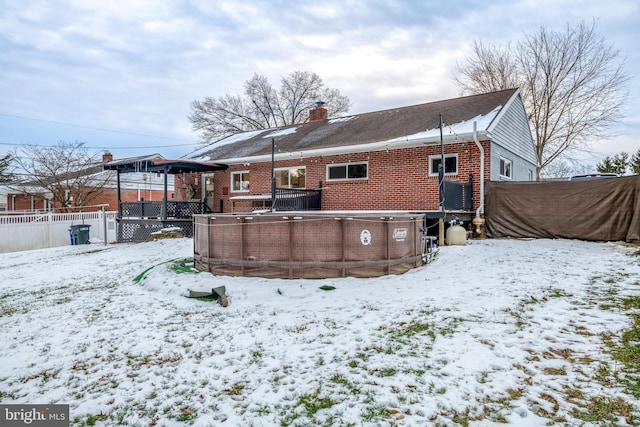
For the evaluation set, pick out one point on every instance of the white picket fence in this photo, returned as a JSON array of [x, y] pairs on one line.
[[49, 230]]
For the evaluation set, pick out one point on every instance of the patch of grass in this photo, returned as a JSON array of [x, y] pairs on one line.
[[565, 353], [235, 389], [311, 404], [374, 413], [452, 326], [387, 372], [555, 371], [314, 403], [44, 376], [402, 332], [93, 419], [462, 418], [518, 315], [515, 394], [7, 395], [558, 293], [627, 350], [631, 303], [186, 414], [262, 409], [342, 381], [137, 361], [554, 409], [604, 409], [8, 310]]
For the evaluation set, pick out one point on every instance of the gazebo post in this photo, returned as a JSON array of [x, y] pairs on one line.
[[164, 201], [119, 196]]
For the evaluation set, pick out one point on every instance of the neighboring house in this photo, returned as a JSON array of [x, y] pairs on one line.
[[3, 198], [382, 160], [134, 187]]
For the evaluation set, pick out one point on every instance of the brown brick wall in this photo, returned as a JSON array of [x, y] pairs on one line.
[[398, 179], [108, 196]]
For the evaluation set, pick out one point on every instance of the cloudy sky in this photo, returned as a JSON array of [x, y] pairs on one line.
[[120, 75]]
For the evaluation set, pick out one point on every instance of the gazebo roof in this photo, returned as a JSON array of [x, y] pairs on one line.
[[159, 164]]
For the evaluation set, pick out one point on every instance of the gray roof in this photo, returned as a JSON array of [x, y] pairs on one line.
[[361, 129]]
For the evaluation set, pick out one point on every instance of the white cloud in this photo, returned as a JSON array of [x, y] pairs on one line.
[[137, 66]]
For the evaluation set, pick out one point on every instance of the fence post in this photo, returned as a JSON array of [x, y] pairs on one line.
[[50, 229], [103, 212]]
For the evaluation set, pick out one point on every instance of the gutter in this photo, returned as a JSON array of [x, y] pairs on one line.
[[394, 144], [475, 139]]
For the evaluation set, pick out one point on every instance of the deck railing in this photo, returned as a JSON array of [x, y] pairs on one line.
[[155, 209], [294, 199]]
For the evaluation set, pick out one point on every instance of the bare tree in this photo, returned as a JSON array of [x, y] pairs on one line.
[[490, 69], [573, 84], [564, 168], [5, 174], [263, 107], [66, 174]]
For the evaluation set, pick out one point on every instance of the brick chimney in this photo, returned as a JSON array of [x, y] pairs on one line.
[[318, 113], [107, 157]]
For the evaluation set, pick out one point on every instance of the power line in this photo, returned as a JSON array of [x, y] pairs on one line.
[[23, 144], [100, 129]]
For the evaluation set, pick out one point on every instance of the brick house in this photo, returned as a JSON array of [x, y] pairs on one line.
[[382, 160], [134, 187]]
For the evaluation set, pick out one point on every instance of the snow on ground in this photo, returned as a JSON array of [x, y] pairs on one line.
[[491, 332]]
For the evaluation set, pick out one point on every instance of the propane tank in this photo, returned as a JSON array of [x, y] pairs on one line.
[[456, 234]]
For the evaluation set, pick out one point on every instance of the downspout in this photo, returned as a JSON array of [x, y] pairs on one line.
[[475, 139]]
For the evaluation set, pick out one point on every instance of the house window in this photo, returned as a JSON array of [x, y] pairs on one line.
[[291, 177], [450, 164], [347, 171], [505, 168], [240, 181]]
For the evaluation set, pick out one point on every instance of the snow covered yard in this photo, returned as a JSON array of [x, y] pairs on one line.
[[526, 332]]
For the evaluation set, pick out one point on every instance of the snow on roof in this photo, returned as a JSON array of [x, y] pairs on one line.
[[465, 127], [243, 136], [281, 132]]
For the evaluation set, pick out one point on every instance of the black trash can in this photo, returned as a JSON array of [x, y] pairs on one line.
[[80, 234]]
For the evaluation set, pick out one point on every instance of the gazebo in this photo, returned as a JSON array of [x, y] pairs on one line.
[[137, 220]]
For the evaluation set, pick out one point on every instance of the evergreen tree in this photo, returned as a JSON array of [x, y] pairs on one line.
[[634, 163], [617, 164], [606, 166]]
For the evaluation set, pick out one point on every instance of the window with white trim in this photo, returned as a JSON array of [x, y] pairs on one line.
[[348, 171], [291, 177], [240, 181], [505, 168], [450, 164]]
